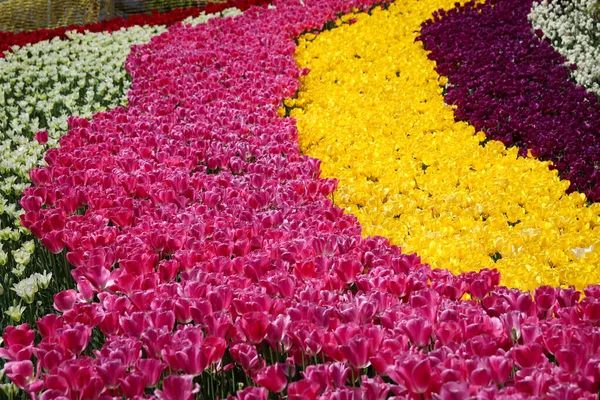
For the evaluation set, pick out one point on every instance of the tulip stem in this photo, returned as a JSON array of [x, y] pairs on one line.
[[233, 381]]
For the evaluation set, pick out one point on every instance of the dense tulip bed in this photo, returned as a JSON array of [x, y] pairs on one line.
[[210, 260], [508, 83], [8, 40], [41, 85], [573, 28], [424, 180]]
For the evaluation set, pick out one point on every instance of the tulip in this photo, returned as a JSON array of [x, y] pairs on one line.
[[76, 338], [20, 373], [303, 389], [111, 372], [357, 352], [133, 385], [177, 387], [254, 325], [18, 343], [272, 378], [151, 369], [65, 300], [252, 393], [418, 330]]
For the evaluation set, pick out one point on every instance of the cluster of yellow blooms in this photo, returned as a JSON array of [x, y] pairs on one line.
[[372, 110]]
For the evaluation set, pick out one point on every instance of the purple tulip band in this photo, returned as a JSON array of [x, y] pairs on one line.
[[508, 83]]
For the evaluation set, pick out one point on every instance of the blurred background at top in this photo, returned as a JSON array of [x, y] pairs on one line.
[[28, 15]]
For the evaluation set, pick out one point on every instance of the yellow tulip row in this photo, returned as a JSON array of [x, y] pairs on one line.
[[373, 111]]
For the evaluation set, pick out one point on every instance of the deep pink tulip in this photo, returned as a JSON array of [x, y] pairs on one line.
[[54, 241], [64, 301], [480, 287], [111, 372], [453, 391], [272, 378], [357, 352], [252, 393], [48, 325], [526, 356], [110, 323], [254, 325], [18, 343], [20, 373], [572, 358], [41, 137], [568, 297], [545, 297], [85, 289], [319, 374], [133, 384], [347, 269], [374, 389], [246, 356], [302, 390], [76, 338], [177, 387], [168, 270], [532, 381], [182, 311], [151, 369], [500, 368], [155, 341], [418, 330], [421, 374], [31, 203], [591, 309]]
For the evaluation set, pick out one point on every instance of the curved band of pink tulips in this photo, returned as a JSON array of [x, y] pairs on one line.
[[210, 253]]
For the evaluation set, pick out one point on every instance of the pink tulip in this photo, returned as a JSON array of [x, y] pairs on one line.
[[527, 356], [246, 356], [111, 372], [41, 137], [151, 369], [20, 373], [18, 343], [64, 301], [49, 325], [76, 338], [374, 389], [254, 326], [418, 330], [357, 352], [177, 387], [252, 393], [54, 241], [272, 378], [453, 391], [133, 385], [545, 297], [500, 368], [301, 390]]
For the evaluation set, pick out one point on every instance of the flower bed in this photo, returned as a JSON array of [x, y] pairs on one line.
[[574, 31], [206, 250], [410, 173], [41, 85], [8, 39], [514, 87]]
